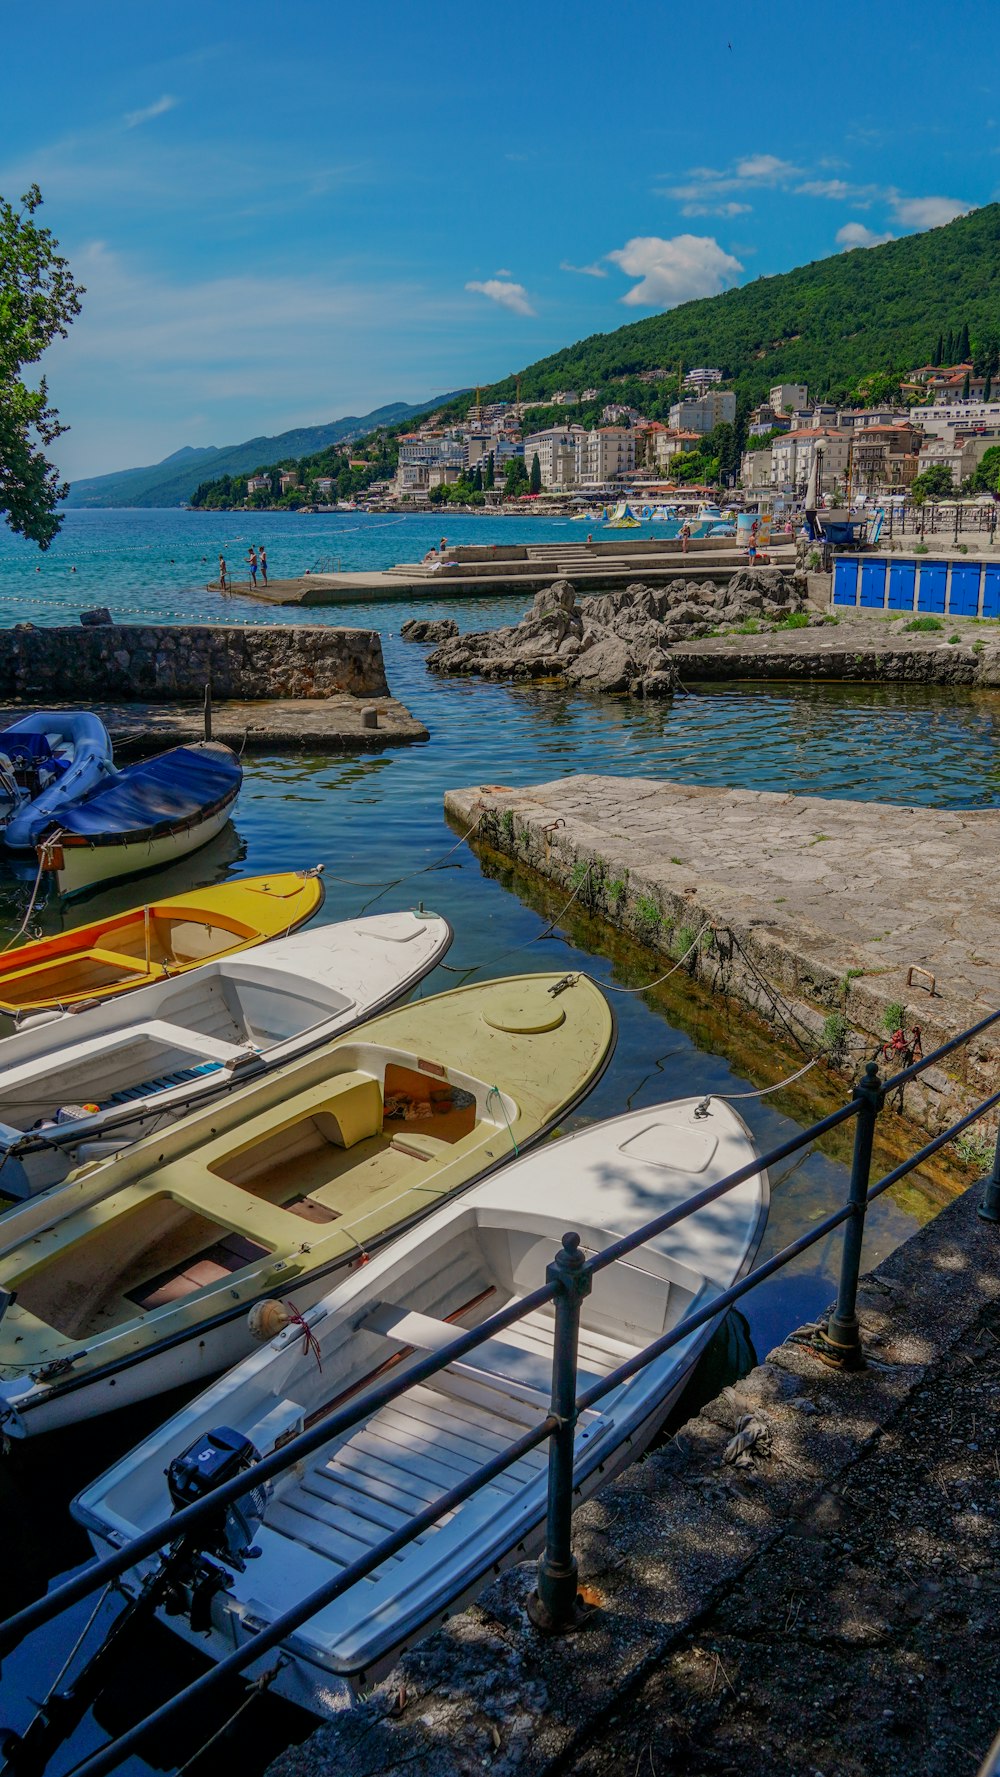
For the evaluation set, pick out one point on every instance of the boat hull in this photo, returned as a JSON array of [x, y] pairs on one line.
[[77, 867]]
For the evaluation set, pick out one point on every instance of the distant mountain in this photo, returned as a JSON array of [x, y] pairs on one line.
[[829, 323], [174, 480]]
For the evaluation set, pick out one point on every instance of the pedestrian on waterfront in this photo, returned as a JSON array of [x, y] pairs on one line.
[[444, 544], [685, 538], [252, 559], [263, 564], [222, 572]]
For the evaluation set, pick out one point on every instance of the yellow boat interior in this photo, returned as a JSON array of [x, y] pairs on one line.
[[148, 943], [378, 1142]]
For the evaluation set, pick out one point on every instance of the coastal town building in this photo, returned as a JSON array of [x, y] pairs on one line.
[[288, 480], [702, 378], [502, 448], [419, 452], [789, 397], [616, 411], [608, 455], [702, 413], [765, 419], [557, 451], [792, 459], [589, 394], [564, 398], [756, 471], [324, 484], [259, 484]]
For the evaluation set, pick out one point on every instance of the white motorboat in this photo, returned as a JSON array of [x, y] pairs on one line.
[[471, 1258], [48, 762], [75, 1088]]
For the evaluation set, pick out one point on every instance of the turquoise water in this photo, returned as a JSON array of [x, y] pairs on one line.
[[373, 818]]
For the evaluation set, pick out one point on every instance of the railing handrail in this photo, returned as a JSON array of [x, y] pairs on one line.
[[869, 1096]]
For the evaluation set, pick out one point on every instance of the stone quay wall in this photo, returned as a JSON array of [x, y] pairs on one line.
[[125, 661]]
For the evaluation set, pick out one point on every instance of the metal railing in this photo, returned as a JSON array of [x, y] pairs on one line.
[[568, 1281]]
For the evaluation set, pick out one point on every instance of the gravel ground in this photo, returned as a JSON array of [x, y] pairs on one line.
[[864, 1644]]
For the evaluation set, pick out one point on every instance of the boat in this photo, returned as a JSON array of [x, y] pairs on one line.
[[138, 1274], [470, 1259], [48, 761], [152, 813], [80, 1087], [709, 513], [126, 950]]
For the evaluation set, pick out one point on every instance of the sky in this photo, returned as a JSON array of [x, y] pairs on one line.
[[286, 214]]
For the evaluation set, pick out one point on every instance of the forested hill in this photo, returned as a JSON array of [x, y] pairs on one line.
[[827, 324], [173, 481]]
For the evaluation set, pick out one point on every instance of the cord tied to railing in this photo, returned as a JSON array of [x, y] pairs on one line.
[[555, 1606]]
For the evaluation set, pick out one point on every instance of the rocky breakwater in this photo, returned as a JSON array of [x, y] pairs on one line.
[[254, 663], [617, 641]]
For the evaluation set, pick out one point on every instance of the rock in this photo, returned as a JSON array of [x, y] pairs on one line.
[[617, 641], [98, 616], [428, 629]]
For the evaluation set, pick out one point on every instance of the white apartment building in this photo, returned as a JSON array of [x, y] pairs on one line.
[[557, 451], [419, 453], [564, 398], [792, 458], [701, 413], [503, 448], [945, 418], [756, 472], [259, 484], [702, 378], [607, 455], [793, 395]]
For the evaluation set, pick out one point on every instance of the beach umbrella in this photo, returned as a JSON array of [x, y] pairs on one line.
[[812, 486]]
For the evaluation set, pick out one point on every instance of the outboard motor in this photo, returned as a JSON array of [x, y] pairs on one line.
[[215, 1457]]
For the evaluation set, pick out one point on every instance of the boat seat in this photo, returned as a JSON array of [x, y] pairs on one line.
[[530, 1372], [353, 1115]]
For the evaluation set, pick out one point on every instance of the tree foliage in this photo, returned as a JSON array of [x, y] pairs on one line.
[[38, 300], [934, 484]]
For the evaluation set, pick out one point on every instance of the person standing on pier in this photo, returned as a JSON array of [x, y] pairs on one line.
[[263, 563], [252, 559], [222, 572]]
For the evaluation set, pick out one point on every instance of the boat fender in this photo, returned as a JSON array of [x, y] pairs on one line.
[[34, 1019], [267, 1319]]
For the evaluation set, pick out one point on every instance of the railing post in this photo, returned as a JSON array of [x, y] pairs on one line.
[[842, 1337], [989, 1207], [553, 1607]]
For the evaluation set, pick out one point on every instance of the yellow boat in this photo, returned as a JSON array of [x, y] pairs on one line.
[[138, 1274], [150, 943]]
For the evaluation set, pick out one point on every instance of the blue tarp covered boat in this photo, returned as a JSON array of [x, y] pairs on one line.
[[151, 814]]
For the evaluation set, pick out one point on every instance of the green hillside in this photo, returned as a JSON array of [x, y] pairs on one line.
[[173, 481], [829, 323]]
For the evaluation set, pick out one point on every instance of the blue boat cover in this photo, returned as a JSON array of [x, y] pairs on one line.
[[158, 794]]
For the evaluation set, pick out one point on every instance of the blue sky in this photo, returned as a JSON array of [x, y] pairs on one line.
[[284, 214]]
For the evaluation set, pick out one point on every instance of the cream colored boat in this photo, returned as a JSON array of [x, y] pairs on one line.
[[138, 1274]]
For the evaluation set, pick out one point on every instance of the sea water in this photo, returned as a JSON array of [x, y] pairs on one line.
[[375, 821]]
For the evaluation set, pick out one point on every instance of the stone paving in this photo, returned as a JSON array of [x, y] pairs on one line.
[[828, 1611], [303, 724], [830, 903]]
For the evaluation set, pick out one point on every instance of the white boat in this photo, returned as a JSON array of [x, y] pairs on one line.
[[48, 761], [144, 818], [709, 513], [469, 1259], [75, 1088]]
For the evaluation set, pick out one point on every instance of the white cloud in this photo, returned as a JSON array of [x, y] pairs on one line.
[[585, 271], [707, 185], [855, 234], [504, 271], [765, 167], [720, 209], [674, 271], [148, 112], [501, 290], [928, 212]]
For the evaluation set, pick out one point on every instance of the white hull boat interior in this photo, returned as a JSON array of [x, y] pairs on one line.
[[471, 1258], [78, 1087]]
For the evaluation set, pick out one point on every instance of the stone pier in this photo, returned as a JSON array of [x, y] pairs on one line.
[[829, 919]]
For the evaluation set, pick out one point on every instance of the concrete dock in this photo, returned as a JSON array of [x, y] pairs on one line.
[[821, 909], [482, 571], [827, 1611], [299, 724]]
